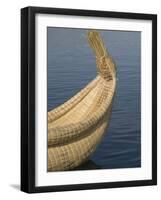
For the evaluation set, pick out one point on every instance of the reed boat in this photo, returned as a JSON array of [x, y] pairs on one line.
[[76, 127]]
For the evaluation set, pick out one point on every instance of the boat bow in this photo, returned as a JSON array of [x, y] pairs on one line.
[[76, 127]]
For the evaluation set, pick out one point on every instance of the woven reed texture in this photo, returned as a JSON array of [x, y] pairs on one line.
[[76, 127]]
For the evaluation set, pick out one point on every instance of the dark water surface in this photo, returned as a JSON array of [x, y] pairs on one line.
[[71, 65]]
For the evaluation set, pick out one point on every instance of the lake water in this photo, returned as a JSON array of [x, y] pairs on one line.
[[71, 65]]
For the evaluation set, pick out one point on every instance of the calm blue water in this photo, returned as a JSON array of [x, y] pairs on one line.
[[71, 65]]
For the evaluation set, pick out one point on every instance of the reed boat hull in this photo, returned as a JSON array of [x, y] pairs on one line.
[[76, 127]]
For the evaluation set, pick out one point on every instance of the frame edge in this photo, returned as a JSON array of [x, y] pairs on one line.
[[24, 100], [27, 100]]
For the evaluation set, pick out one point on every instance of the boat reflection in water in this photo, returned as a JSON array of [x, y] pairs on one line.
[[89, 164]]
